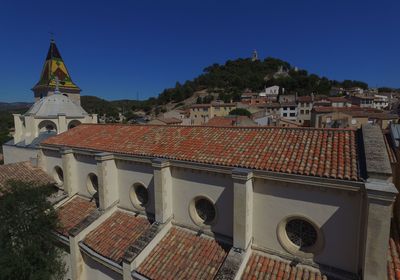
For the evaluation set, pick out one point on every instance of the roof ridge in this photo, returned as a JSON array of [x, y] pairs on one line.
[[226, 127]]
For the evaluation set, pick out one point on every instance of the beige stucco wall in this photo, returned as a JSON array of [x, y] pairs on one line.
[[13, 154], [338, 213], [85, 164], [188, 184], [95, 271], [130, 173], [52, 159], [67, 262]]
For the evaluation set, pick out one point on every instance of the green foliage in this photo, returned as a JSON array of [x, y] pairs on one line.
[[350, 84], [95, 105], [27, 245], [388, 89], [232, 78], [205, 100], [240, 112], [228, 81]]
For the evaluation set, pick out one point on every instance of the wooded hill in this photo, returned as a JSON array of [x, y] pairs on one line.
[[227, 82]]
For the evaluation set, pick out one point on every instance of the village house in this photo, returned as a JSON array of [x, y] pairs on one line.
[[345, 117], [304, 107], [201, 113], [363, 101], [381, 102]]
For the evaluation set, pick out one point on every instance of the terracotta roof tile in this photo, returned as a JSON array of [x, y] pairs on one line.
[[305, 99], [231, 121], [339, 99], [393, 265], [114, 235], [315, 152], [353, 108], [184, 255], [23, 171], [73, 212], [262, 267]]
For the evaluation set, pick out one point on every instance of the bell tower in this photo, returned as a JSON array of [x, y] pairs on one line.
[[54, 67]]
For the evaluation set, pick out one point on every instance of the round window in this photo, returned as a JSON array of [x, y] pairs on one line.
[[58, 176], [92, 183], [300, 236], [202, 211], [139, 196], [301, 233]]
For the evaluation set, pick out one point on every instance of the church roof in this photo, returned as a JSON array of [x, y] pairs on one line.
[[263, 267], [23, 171], [329, 153], [73, 212], [54, 66], [56, 104], [113, 237], [183, 254]]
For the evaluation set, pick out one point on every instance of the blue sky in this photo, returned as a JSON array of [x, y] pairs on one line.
[[117, 49]]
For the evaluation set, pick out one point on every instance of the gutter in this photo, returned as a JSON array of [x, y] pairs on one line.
[[99, 258], [63, 239], [138, 276]]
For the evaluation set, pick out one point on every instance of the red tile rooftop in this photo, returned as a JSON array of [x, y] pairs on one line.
[[23, 171], [170, 120], [261, 267], [73, 212], [230, 121], [345, 109], [184, 255], [116, 234], [338, 99], [328, 153]]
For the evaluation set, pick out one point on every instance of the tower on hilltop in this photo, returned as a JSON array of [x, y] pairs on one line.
[[254, 56], [55, 69]]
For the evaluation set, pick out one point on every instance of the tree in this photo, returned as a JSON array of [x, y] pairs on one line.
[[240, 112], [27, 244]]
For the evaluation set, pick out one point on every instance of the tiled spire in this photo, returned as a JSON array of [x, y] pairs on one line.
[[54, 66]]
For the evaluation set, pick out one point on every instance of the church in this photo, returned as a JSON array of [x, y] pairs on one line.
[[56, 109], [200, 202]]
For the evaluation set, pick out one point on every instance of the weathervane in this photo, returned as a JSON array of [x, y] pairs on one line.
[[51, 36]]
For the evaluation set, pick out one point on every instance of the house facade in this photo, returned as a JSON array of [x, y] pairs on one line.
[[202, 113]]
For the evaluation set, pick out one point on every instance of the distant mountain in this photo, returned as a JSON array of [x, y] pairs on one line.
[[4, 106]]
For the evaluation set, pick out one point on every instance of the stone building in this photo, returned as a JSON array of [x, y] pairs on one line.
[[191, 202], [57, 109]]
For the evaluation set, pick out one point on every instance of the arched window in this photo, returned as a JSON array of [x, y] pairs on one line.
[[47, 126], [58, 175], [92, 183], [73, 124]]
